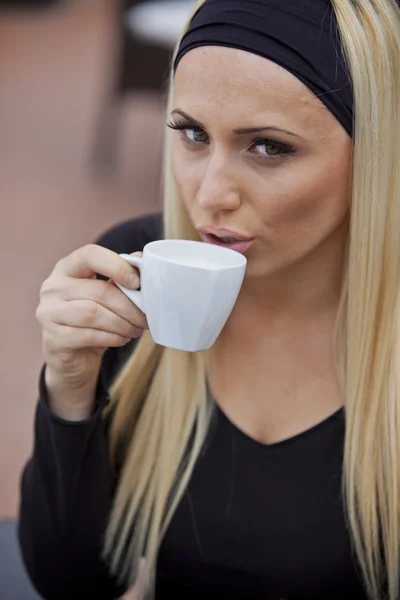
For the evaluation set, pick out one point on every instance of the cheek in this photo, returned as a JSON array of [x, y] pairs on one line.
[[309, 200], [187, 179]]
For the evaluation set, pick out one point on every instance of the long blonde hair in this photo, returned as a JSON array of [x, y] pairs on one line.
[[159, 399]]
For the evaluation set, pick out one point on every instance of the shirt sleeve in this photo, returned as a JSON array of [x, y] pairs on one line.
[[67, 490]]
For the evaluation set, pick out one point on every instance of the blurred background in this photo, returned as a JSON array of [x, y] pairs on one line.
[[82, 95]]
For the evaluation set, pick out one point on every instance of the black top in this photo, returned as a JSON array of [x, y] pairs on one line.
[[257, 520]]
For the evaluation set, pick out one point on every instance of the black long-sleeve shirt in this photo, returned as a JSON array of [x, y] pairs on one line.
[[257, 521]]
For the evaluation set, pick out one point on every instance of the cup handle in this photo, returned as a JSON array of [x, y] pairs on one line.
[[134, 295]]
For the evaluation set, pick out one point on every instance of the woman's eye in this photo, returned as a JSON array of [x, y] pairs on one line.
[[271, 149], [195, 135], [190, 135]]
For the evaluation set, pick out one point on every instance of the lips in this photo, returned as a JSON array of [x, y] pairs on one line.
[[226, 238]]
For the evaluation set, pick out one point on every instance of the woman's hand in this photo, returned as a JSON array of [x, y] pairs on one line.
[[81, 317]]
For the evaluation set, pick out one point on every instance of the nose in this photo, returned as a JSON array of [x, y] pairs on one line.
[[219, 188]]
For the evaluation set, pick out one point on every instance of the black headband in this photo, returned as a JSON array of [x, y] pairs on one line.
[[301, 36]]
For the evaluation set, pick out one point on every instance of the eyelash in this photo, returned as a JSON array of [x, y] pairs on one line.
[[285, 149]]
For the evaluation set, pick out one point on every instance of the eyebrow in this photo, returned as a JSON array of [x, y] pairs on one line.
[[240, 131]]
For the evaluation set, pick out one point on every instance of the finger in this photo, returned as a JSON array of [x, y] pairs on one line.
[[91, 260], [139, 255], [73, 338], [105, 293], [89, 314]]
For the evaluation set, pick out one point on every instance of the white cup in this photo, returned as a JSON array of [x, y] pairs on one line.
[[187, 291]]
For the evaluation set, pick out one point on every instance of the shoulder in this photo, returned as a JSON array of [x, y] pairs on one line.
[[132, 235]]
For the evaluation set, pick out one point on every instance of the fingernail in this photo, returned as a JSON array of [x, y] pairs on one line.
[[133, 281]]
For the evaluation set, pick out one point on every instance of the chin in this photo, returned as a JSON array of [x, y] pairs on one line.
[[260, 268], [257, 269]]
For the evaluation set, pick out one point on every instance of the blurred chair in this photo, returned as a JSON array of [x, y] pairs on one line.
[[14, 582], [142, 64]]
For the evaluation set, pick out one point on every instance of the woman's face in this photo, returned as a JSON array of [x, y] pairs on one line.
[[257, 153]]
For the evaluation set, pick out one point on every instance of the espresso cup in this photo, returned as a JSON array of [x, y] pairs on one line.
[[187, 291]]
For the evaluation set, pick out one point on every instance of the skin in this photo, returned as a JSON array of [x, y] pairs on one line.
[[294, 205]]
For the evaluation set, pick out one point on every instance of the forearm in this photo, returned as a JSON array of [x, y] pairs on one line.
[[67, 492]]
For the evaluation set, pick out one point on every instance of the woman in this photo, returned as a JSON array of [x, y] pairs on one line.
[[224, 470]]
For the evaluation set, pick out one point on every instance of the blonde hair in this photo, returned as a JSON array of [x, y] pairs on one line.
[[159, 406]]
